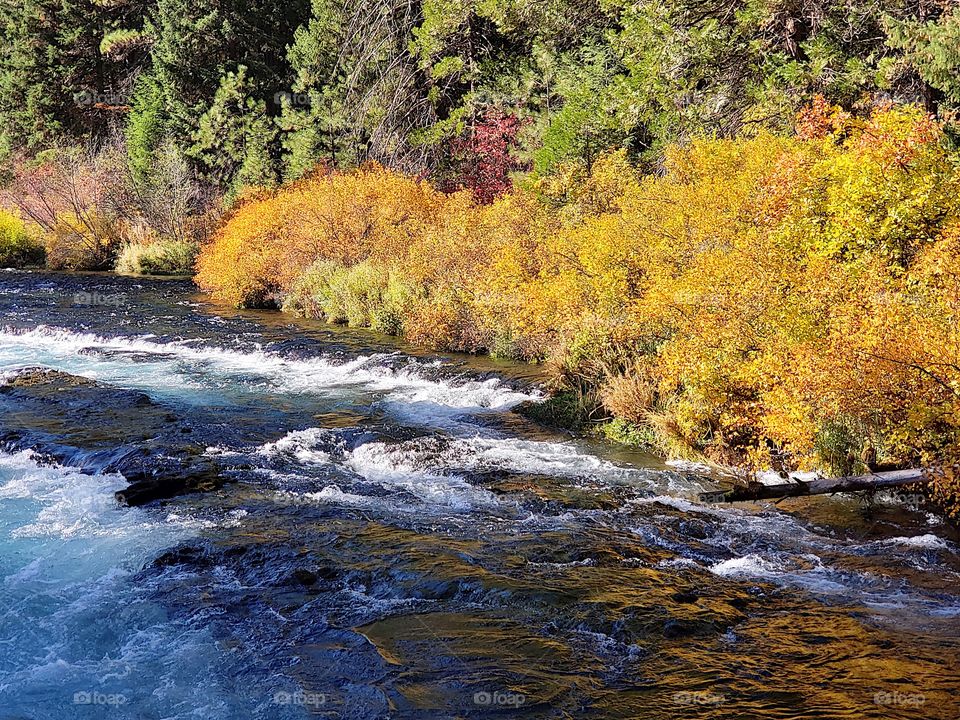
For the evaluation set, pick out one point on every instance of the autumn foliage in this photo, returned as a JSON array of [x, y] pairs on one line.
[[485, 157], [270, 241], [786, 301]]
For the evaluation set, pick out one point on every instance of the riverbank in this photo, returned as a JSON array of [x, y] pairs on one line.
[[764, 302], [767, 302]]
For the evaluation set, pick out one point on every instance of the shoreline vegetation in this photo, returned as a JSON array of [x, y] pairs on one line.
[[729, 234], [764, 301]]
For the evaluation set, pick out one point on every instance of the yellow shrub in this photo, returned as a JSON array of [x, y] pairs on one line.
[[794, 295], [86, 241], [19, 245], [268, 242]]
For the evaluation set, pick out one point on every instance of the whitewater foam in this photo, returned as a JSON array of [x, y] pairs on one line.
[[749, 565], [435, 456], [926, 542], [404, 387], [434, 469], [73, 620], [300, 445], [394, 466]]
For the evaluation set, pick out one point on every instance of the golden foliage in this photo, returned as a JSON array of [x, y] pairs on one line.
[[270, 241], [799, 295], [82, 241]]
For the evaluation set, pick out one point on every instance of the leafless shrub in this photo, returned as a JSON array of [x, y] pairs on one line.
[[87, 202]]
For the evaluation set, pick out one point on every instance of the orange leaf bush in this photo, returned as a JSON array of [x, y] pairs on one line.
[[768, 300], [270, 241]]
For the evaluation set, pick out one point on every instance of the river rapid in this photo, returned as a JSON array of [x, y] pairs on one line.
[[387, 538]]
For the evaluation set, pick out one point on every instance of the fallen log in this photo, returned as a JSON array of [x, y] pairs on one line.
[[818, 486]]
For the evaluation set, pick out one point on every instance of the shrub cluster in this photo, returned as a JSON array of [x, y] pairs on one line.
[[765, 300], [18, 246], [91, 210], [160, 257]]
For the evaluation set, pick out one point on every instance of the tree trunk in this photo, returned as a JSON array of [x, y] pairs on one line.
[[820, 486]]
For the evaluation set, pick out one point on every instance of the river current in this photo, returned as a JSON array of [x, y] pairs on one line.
[[391, 539]]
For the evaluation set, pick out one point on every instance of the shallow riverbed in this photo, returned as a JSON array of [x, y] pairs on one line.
[[391, 540]]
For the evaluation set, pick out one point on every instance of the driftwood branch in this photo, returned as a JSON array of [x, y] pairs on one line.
[[819, 486]]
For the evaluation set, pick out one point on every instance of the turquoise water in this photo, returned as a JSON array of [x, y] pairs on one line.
[[76, 622], [393, 541]]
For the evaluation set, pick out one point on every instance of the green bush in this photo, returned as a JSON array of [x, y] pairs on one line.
[[625, 432], [388, 317], [18, 247], [844, 445], [563, 410], [161, 257], [361, 295], [312, 295]]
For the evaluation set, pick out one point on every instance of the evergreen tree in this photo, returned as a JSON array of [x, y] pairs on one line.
[[233, 140], [197, 42], [56, 81], [358, 93], [146, 125], [313, 118], [933, 48]]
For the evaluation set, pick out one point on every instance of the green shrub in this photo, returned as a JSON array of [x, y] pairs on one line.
[[627, 433], [839, 445], [504, 346], [18, 247], [398, 298], [361, 291], [563, 410], [161, 257], [312, 295], [361, 295]]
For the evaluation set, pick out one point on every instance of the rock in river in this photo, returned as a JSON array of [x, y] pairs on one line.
[[98, 428]]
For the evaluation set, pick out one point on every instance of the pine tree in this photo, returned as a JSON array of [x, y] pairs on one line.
[[146, 127], [360, 93], [197, 42], [55, 80], [233, 140], [933, 48]]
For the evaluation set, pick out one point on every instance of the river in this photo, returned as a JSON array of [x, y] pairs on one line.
[[387, 538]]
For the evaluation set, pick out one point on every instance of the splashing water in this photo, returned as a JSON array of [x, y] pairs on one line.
[[393, 541]]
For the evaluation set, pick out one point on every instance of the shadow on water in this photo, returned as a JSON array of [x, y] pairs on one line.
[[383, 537]]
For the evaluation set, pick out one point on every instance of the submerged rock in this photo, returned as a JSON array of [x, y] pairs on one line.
[[98, 428]]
